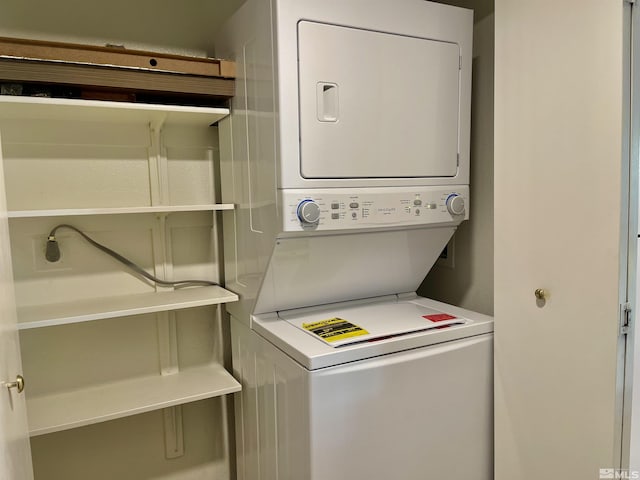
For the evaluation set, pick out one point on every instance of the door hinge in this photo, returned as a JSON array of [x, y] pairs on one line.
[[460, 61], [625, 318]]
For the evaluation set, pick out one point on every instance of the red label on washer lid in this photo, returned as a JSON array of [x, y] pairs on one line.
[[440, 317]]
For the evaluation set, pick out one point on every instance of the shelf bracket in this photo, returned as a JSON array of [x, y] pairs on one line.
[[166, 321], [158, 175], [173, 433], [167, 343]]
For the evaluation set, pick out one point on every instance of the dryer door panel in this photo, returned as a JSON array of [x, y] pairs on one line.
[[376, 105]]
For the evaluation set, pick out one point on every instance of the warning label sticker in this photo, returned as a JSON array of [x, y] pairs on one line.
[[334, 329], [440, 317]]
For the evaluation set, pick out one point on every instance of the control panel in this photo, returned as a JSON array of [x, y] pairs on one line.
[[352, 208]]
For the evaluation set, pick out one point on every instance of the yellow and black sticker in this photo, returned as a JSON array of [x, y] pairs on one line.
[[334, 329]]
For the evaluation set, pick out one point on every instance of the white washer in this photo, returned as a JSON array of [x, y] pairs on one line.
[[411, 400], [346, 155]]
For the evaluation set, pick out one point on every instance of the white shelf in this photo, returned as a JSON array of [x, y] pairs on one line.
[[88, 187], [62, 212], [63, 411], [14, 107], [112, 307]]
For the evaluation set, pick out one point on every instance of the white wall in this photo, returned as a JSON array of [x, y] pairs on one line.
[[558, 150], [158, 25], [481, 8], [470, 283]]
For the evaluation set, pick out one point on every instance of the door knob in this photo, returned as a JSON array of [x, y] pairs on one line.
[[18, 384], [541, 294]]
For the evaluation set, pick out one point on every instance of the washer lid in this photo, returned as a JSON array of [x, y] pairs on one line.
[[366, 323], [394, 313]]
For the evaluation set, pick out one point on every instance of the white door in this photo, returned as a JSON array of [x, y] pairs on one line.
[[560, 225], [631, 427], [15, 459], [361, 120]]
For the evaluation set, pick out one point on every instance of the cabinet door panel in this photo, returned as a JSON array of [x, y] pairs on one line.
[[14, 440], [558, 209]]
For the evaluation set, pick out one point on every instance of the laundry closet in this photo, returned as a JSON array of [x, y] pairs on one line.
[[560, 77], [125, 379]]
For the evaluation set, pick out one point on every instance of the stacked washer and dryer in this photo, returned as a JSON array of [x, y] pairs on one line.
[[347, 157]]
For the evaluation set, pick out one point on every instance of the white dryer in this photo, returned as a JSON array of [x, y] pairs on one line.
[[346, 155]]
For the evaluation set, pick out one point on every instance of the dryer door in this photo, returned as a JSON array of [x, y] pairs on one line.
[[376, 105]]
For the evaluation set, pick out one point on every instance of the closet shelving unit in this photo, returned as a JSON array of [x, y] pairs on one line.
[[139, 177]]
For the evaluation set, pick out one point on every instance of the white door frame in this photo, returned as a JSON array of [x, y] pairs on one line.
[[15, 451], [629, 347]]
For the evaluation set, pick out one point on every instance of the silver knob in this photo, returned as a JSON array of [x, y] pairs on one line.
[[18, 384], [308, 212], [455, 204]]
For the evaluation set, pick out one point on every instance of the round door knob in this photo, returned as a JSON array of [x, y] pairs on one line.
[[308, 212], [18, 384], [455, 204], [541, 294]]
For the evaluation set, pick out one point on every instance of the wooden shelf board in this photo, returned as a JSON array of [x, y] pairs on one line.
[[77, 408], [114, 57], [87, 310], [63, 212], [132, 80], [15, 107]]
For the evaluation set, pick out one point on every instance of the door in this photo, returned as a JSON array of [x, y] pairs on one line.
[[561, 186], [376, 104], [14, 438], [631, 418]]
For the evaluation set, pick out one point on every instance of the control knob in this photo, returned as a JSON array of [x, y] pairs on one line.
[[308, 212], [455, 204]]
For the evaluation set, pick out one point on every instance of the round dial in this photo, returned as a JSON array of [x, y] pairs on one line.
[[308, 212], [455, 204]]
